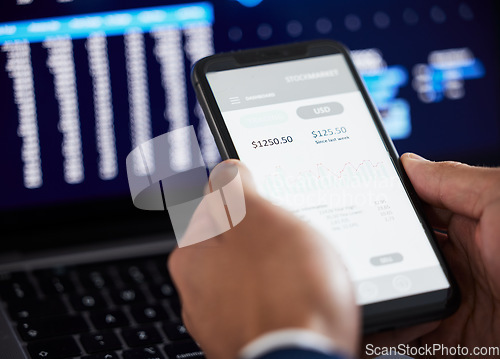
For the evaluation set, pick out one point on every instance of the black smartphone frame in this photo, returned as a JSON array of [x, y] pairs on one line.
[[378, 316]]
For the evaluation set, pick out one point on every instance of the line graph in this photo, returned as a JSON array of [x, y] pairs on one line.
[[322, 177], [364, 168]]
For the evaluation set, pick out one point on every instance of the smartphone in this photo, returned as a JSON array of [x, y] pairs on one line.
[[300, 118]]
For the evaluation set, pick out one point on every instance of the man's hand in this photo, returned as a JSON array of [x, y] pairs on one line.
[[271, 271], [464, 202]]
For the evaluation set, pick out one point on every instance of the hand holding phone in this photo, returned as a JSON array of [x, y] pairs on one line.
[[469, 240], [269, 272], [302, 121]]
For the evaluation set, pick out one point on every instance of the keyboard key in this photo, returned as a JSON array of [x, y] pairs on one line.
[[165, 290], [135, 274], [176, 331], [137, 337], [54, 281], [143, 353], [183, 350], [95, 279], [99, 342], [87, 301], [15, 286], [8, 276], [33, 308], [104, 319], [127, 296], [148, 313], [51, 327], [107, 355], [54, 349]]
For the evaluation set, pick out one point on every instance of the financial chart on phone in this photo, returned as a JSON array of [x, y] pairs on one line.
[[305, 131]]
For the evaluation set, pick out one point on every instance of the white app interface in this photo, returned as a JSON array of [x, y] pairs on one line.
[[305, 132]]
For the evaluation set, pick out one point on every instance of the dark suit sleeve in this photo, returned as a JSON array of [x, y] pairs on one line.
[[297, 353]]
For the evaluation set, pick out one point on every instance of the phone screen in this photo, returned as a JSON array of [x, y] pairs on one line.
[[306, 134]]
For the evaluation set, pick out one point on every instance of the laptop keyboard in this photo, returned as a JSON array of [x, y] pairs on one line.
[[127, 309]]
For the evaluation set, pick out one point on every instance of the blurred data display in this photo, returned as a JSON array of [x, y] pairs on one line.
[[82, 84]]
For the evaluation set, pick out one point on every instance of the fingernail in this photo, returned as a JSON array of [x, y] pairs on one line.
[[222, 174], [414, 156], [225, 167]]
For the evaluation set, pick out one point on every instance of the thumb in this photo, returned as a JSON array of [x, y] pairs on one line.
[[227, 171], [460, 188], [232, 182], [223, 205]]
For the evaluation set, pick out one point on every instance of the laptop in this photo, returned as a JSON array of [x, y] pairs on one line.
[[82, 271]]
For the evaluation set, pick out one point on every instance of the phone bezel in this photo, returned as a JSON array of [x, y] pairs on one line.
[[377, 316]]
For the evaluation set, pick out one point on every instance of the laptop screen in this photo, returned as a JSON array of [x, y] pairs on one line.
[[84, 82], [84, 90]]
